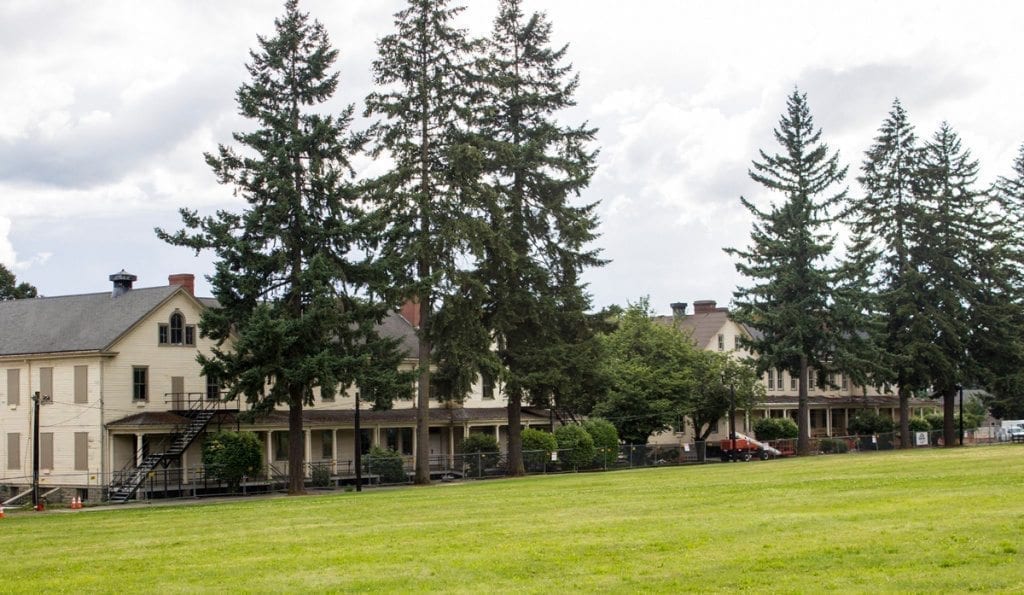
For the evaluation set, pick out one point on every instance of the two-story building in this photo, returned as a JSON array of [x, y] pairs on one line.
[[830, 406], [120, 387]]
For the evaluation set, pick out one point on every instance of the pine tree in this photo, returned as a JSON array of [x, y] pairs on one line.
[[536, 249], [882, 222], [946, 243], [430, 195], [997, 305], [792, 302], [294, 314]]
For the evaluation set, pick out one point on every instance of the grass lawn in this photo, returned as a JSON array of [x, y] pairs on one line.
[[926, 520]]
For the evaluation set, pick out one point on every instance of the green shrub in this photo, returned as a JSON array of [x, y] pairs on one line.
[[919, 424], [321, 475], [386, 463], [934, 420], [537, 449], [606, 440], [833, 445], [230, 456], [576, 447], [868, 422], [775, 428], [480, 452]]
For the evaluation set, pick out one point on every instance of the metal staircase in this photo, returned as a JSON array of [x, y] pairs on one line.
[[127, 481]]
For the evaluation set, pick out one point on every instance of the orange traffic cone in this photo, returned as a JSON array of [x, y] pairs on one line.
[[1, 512], [74, 502]]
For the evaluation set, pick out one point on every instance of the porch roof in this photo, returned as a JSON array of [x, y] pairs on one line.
[[851, 401], [318, 418]]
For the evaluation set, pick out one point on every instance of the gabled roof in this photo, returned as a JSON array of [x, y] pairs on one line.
[[73, 323], [395, 326], [704, 326], [93, 322]]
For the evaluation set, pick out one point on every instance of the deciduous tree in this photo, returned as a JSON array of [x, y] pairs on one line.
[[10, 289]]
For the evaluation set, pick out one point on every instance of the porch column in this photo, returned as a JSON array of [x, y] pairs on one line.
[[308, 455], [465, 431], [497, 433], [809, 417], [414, 451], [270, 451], [334, 451], [138, 449], [828, 421], [746, 421], [376, 436], [451, 444]]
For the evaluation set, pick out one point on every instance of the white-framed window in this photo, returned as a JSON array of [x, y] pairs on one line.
[[771, 379], [721, 342]]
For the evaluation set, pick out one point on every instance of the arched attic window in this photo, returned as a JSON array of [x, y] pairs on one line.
[[176, 332]]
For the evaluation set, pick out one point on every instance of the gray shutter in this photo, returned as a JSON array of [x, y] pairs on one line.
[[46, 450], [81, 384], [14, 387], [13, 450], [46, 383], [81, 451]]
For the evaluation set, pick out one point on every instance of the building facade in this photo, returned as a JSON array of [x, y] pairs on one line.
[[118, 384], [830, 406]]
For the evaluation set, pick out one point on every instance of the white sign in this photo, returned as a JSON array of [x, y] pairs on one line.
[[554, 456], [921, 438]]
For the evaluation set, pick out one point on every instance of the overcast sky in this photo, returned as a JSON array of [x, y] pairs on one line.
[[106, 109]]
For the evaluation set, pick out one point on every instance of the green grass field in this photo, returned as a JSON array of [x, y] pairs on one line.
[[928, 520]]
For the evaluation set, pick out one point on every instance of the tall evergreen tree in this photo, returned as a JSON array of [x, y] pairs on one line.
[[792, 301], [429, 196], [10, 289], [947, 243], [883, 221], [537, 245], [292, 287], [1004, 380]]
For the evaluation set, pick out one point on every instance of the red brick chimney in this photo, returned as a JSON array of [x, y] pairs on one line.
[[186, 280], [411, 311], [704, 306]]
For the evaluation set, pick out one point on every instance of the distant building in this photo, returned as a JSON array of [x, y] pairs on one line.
[[830, 409]]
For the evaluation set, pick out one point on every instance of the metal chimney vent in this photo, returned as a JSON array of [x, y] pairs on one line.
[[122, 282]]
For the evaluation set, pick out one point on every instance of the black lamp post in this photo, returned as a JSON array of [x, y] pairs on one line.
[[961, 387], [359, 449]]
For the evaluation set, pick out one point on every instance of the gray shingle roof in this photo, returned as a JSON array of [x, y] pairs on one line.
[[91, 322], [86, 322]]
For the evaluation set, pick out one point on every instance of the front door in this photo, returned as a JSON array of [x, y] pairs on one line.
[[178, 393]]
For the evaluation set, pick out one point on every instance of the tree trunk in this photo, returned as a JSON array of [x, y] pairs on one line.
[[949, 433], [515, 434], [905, 417], [423, 398], [296, 445], [803, 441]]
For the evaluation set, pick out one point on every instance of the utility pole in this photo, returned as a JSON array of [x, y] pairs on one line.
[[35, 451]]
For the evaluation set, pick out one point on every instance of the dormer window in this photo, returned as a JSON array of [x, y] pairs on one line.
[[176, 332]]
